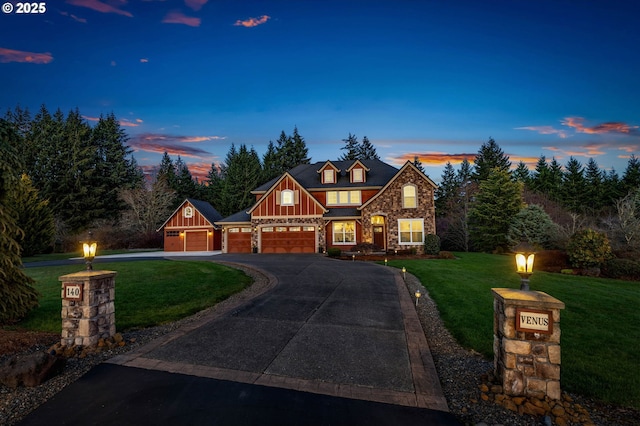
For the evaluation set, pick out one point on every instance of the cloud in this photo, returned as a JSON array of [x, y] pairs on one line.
[[545, 130], [252, 22], [99, 6], [124, 122], [74, 17], [9, 55], [180, 18], [144, 60], [113, 63], [618, 127], [433, 158], [172, 144], [195, 4], [629, 148]]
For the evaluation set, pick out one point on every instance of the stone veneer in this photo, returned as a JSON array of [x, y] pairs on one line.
[[318, 222], [527, 363], [85, 321], [389, 205]]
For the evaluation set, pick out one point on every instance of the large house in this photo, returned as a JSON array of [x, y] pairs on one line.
[[314, 207]]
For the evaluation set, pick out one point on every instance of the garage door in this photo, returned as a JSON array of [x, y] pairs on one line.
[[288, 239], [196, 240], [239, 240]]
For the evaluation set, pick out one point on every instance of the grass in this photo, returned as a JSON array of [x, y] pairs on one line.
[[600, 324], [63, 256], [148, 293]]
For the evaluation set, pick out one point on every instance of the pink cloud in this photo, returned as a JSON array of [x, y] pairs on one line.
[[195, 4], [74, 17], [252, 22], [433, 158], [172, 144], [577, 123], [545, 130], [180, 18], [9, 55], [99, 6], [144, 60], [629, 148]]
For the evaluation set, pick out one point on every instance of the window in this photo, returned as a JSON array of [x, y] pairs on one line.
[[295, 229], [308, 228], [344, 232], [173, 233], [411, 231], [267, 229], [357, 175], [328, 176], [335, 198], [409, 199], [286, 197], [188, 212]]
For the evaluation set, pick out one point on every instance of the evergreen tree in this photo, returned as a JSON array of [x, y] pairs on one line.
[[447, 192], [631, 176], [167, 170], [534, 226], [556, 177], [34, 219], [594, 189], [185, 186], [20, 120], [270, 169], [241, 176], [574, 188], [17, 295], [612, 188], [418, 164], [522, 174], [457, 234], [299, 150], [352, 148], [489, 157], [366, 151], [498, 200], [291, 151]]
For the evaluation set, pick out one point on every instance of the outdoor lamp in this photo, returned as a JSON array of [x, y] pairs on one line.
[[418, 294], [89, 250], [385, 261], [353, 257], [524, 264], [404, 273]]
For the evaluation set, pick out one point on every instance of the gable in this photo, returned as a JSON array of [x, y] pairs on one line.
[[192, 213], [298, 201]]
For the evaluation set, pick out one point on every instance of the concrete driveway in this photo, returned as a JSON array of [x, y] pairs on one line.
[[330, 334]]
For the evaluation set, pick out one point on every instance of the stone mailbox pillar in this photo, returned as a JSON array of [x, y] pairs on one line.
[[526, 342], [88, 310]]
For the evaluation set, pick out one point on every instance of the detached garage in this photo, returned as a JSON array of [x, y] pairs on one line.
[[191, 228]]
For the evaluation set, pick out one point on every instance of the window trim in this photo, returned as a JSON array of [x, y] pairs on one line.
[[411, 231], [353, 175], [331, 174], [283, 194], [349, 198], [343, 243], [405, 197]]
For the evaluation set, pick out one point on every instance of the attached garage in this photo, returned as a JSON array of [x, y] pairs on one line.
[[288, 239], [239, 239]]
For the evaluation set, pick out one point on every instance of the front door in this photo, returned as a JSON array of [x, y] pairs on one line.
[[378, 236]]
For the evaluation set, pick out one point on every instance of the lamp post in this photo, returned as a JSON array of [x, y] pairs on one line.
[[524, 264], [89, 251], [418, 294], [404, 273], [385, 261]]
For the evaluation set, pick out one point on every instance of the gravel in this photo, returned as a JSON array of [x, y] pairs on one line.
[[460, 370]]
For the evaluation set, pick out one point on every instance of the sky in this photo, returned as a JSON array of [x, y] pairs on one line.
[[433, 79]]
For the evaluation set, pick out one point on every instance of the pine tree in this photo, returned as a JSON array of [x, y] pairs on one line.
[[556, 177], [270, 168], [418, 164], [498, 200], [299, 150], [522, 174], [489, 157], [366, 151], [574, 188], [612, 188], [447, 192], [34, 219], [594, 181], [352, 148], [631, 176], [241, 176], [17, 295], [185, 186]]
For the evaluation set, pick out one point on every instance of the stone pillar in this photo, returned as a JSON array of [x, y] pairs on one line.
[[526, 342], [88, 310]]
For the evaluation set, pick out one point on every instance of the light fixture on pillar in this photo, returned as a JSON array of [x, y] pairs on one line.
[[417, 294], [525, 256], [89, 251]]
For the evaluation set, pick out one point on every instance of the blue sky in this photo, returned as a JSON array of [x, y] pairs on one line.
[[429, 78]]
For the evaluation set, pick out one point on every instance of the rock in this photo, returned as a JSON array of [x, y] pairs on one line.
[[484, 388], [558, 411], [560, 421], [510, 405], [567, 398], [518, 400], [30, 370], [118, 337], [484, 397], [496, 389]]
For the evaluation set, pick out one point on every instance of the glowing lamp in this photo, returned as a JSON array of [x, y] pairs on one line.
[[89, 251], [524, 264], [418, 294]]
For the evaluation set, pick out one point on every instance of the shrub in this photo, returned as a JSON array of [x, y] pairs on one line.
[[446, 255], [334, 252], [588, 249], [622, 268], [365, 248], [431, 244]]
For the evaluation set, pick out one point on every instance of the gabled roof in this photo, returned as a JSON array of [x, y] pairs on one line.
[[306, 175], [239, 217], [205, 209], [408, 164], [326, 164], [275, 185], [355, 163]]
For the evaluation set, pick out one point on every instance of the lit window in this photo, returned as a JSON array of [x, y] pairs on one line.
[[329, 176], [309, 228], [336, 198], [267, 229], [188, 212], [411, 231], [344, 232], [409, 197], [295, 229], [286, 197], [332, 197], [245, 229], [357, 176]]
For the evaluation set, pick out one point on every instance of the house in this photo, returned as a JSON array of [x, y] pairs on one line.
[[191, 227], [314, 207]]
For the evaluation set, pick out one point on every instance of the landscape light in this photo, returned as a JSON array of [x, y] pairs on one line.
[[524, 264], [417, 294], [404, 273], [89, 251]]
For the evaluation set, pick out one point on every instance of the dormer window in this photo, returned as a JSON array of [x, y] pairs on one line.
[[357, 175], [329, 176]]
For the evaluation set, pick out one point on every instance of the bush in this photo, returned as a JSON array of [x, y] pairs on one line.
[[334, 252], [446, 255], [431, 244], [588, 249], [622, 268]]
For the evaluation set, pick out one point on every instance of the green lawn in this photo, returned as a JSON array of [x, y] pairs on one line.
[[147, 292], [600, 324], [62, 256]]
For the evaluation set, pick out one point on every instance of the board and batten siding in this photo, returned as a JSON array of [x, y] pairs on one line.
[[304, 205], [179, 221]]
